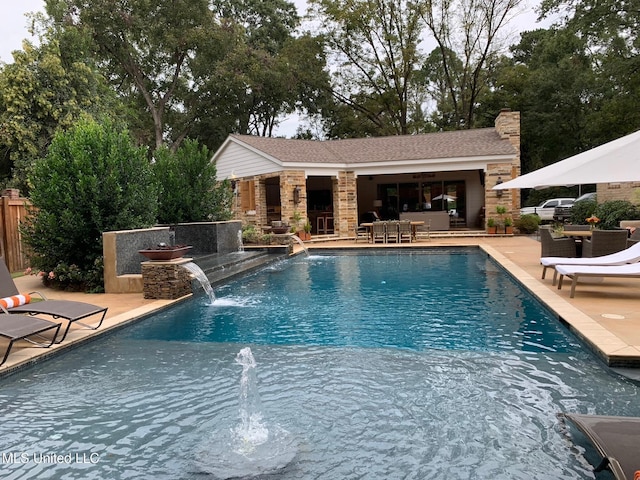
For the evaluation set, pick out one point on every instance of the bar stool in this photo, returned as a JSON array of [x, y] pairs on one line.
[[324, 224], [321, 225]]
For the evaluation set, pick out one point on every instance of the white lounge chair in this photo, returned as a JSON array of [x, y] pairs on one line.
[[631, 270], [629, 255]]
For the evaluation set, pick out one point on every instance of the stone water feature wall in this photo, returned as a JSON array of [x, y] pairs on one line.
[[123, 269]]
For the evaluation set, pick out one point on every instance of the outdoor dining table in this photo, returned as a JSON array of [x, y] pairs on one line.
[[577, 233], [414, 227]]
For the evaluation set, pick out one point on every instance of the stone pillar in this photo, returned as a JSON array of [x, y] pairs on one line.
[[166, 280], [345, 203], [289, 181], [507, 125]]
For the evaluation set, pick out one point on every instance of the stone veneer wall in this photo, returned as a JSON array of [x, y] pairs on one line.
[[507, 125], [629, 191]]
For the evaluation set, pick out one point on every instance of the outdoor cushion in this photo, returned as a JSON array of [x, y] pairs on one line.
[[14, 301]]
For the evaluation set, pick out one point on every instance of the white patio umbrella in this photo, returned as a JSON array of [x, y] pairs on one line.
[[613, 162], [444, 196]]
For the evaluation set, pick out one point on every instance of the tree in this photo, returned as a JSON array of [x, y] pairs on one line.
[[468, 37], [197, 68], [92, 180], [375, 50], [610, 32], [46, 88], [188, 188]]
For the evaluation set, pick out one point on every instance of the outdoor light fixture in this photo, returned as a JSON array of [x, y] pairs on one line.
[[499, 192], [296, 195]]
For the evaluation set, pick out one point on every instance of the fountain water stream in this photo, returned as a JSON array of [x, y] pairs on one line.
[[297, 239], [250, 449], [240, 243], [202, 278]]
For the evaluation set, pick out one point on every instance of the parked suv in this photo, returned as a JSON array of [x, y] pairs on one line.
[[547, 208], [563, 213]]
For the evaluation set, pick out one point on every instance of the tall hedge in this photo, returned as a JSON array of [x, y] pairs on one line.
[[92, 180], [188, 188]]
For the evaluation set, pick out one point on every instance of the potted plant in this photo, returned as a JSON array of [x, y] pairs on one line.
[[307, 231], [501, 210], [508, 225], [491, 226]]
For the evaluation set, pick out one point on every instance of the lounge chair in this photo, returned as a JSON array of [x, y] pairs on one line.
[[69, 310], [631, 270], [628, 255], [23, 327]]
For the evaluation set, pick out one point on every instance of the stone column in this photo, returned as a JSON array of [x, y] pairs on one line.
[[166, 280], [345, 203]]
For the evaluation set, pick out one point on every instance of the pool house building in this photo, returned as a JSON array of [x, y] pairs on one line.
[[443, 178]]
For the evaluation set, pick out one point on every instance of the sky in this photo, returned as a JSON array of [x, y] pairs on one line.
[[13, 25]]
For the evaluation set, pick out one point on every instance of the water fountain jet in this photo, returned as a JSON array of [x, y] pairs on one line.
[[252, 449]]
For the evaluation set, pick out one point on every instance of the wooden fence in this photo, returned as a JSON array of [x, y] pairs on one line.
[[13, 210]]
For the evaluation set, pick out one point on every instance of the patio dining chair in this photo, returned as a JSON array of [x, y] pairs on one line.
[[404, 231], [634, 238], [379, 232], [392, 231], [362, 233], [604, 242], [556, 247]]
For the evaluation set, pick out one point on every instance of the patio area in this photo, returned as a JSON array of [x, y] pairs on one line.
[[603, 313]]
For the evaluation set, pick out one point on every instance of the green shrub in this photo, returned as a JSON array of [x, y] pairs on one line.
[[92, 180], [582, 210], [527, 223], [188, 188], [250, 234], [610, 213]]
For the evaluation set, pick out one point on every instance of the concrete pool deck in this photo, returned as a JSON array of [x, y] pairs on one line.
[[604, 313]]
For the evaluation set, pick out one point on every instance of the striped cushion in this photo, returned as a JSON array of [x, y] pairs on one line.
[[16, 300]]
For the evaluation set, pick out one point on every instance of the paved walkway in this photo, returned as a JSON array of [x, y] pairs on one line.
[[604, 313]]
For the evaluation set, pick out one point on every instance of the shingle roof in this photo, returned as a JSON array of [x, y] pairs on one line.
[[454, 144]]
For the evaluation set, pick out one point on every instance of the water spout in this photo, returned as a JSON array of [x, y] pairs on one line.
[[202, 278], [240, 243], [297, 239]]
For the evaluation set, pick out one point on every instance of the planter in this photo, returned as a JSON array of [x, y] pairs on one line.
[[492, 230], [508, 230], [304, 236], [165, 252], [280, 230]]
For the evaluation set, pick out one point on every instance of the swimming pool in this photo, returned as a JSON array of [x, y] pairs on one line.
[[431, 364]]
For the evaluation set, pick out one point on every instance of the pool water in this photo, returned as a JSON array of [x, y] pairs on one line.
[[427, 365]]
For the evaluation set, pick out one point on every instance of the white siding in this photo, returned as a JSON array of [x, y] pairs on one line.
[[234, 159]]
